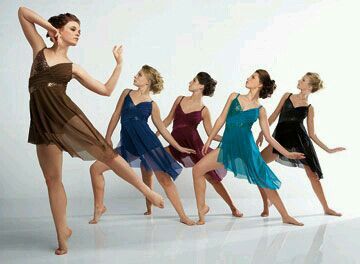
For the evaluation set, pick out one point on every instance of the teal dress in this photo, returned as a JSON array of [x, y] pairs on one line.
[[239, 152]]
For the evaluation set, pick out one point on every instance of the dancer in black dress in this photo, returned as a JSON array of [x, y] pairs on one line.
[[291, 134]]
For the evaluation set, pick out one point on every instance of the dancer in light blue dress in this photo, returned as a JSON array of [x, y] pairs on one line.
[[237, 151]]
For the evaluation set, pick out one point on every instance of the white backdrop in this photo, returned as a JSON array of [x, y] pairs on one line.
[[228, 39]]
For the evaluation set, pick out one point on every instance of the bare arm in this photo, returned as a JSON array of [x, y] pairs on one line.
[[207, 123], [219, 123], [28, 19], [170, 117], [313, 136], [273, 117], [116, 116], [96, 86], [155, 116], [266, 131]]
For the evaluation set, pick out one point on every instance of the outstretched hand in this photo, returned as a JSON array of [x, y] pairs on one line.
[[187, 150], [260, 139], [117, 52], [338, 149]]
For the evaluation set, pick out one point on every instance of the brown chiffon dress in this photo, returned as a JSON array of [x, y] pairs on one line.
[[56, 119]]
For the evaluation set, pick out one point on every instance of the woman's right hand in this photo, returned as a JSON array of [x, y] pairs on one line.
[[117, 52], [260, 139], [54, 35], [205, 148], [295, 155]]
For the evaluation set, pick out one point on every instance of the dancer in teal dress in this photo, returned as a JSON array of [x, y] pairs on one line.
[[237, 151]]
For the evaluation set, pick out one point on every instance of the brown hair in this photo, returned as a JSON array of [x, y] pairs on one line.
[[61, 20], [314, 80], [268, 85], [209, 83], [156, 81]]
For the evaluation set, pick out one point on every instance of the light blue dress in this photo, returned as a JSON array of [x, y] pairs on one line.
[[239, 152]]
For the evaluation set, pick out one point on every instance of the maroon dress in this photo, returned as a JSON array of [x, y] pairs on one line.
[[186, 134]]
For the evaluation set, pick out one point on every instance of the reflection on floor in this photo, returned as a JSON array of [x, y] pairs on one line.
[[124, 235]]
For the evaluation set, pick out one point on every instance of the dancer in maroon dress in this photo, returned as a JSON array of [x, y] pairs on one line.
[[187, 113]]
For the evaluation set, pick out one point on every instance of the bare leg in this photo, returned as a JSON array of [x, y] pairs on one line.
[[50, 160], [98, 184], [123, 170], [221, 190], [207, 163], [268, 155], [173, 195], [316, 185], [276, 200], [148, 180]]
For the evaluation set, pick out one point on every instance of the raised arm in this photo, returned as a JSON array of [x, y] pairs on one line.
[[313, 136], [155, 116], [115, 116], [273, 117], [207, 123], [219, 123], [28, 19], [170, 117], [264, 124], [96, 86]]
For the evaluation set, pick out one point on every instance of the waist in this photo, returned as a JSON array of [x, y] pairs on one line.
[[44, 85]]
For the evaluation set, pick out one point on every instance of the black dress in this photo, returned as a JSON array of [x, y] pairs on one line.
[[292, 135]]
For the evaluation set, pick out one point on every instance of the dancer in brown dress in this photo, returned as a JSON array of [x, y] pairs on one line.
[[57, 124]]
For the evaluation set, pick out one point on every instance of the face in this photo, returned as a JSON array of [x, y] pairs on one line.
[[140, 79], [194, 85], [70, 33], [253, 81], [304, 84]]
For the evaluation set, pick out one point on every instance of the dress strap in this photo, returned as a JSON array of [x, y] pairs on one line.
[[237, 96], [202, 108], [181, 99], [129, 91], [289, 95], [260, 106]]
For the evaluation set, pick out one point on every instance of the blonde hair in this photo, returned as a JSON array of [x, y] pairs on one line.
[[156, 81], [315, 81]]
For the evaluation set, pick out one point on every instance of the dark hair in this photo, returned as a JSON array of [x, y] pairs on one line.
[[61, 20], [209, 83], [268, 85]]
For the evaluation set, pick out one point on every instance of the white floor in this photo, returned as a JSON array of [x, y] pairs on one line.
[[124, 235]]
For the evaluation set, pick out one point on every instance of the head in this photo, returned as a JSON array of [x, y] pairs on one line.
[[310, 82], [148, 76], [68, 26], [204, 83], [260, 79]]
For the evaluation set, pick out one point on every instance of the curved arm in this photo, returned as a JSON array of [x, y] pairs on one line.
[[94, 85], [263, 121], [170, 117], [222, 118], [155, 116], [207, 124], [116, 115], [28, 19], [311, 130]]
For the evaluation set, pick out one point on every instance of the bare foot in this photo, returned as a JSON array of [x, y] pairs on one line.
[[148, 212], [187, 221], [62, 240], [292, 221], [332, 212], [202, 214], [265, 213], [156, 199], [235, 212], [97, 214]]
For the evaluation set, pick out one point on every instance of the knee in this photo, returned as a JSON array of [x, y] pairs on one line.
[[211, 180], [196, 171], [52, 180]]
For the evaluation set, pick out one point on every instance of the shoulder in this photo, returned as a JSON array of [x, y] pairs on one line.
[[178, 99], [233, 95], [286, 95]]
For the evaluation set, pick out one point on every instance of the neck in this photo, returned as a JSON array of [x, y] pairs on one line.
[[253, 94], [196, 96], [304, 95], [144, 90], [60, 50]]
